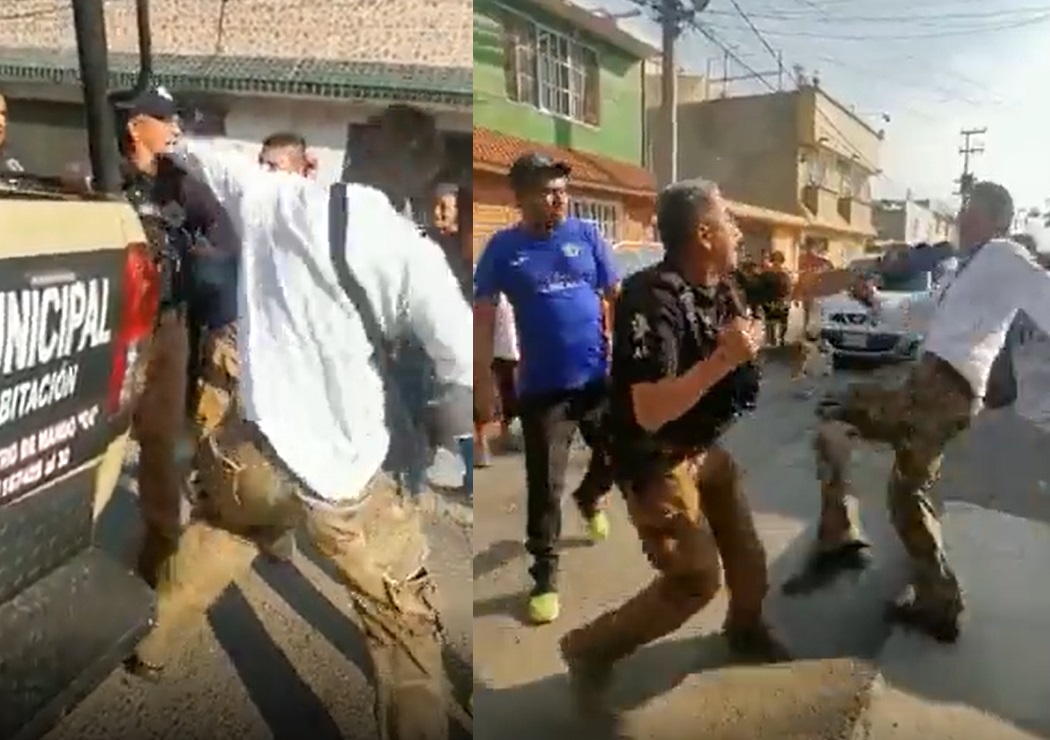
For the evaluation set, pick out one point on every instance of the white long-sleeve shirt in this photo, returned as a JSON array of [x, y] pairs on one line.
[[966, 321], [308, 374]]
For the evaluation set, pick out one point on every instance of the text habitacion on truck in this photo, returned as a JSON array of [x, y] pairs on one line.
[[44, 325]]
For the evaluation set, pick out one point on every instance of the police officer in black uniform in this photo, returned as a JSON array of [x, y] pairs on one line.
[[683, 369], [182, 218]]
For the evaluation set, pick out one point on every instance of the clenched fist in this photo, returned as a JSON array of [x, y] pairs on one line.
[[741, 340]]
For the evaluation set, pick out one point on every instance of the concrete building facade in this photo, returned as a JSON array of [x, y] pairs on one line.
[[913, 221], [797, 152]]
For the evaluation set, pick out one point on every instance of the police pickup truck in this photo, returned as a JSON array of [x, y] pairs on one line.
[[76, 306], [78, 297]]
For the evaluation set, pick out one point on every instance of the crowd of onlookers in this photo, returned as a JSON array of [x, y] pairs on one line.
[[770, 287]]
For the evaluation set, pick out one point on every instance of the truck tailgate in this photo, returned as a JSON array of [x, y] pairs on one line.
[[68, 613]]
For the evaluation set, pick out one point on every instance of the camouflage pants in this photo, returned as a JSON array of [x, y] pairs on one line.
[[250, 500], [918, 419], [685, 520]]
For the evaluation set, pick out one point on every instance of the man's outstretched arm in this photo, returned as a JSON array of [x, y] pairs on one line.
[[225, 170]]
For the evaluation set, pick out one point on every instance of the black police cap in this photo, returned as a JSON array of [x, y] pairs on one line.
[[157, 103]]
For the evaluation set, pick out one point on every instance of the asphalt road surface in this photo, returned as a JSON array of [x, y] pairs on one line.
[[682, 687], [277, 657]]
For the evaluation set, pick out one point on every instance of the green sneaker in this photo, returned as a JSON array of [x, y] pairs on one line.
[[598, 527], [544, 608]]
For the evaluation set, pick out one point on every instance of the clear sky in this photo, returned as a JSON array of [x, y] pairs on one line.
[[932, 66]]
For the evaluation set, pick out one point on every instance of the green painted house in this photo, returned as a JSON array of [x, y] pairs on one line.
[[550, 75]]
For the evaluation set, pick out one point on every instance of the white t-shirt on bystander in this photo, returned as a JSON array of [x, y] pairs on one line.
[[505, 343]]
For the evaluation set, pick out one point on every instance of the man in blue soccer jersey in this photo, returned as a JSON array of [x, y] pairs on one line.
[[558, 274]]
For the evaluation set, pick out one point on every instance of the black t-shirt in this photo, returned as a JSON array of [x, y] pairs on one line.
[[662, 328]]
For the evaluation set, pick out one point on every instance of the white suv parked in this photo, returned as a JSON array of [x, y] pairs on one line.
[[852, 331]]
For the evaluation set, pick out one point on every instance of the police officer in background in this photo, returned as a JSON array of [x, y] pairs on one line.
[[682, 371], [181, 216]]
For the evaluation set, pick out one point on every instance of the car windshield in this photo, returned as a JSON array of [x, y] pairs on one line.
[[631, 259], [905, 282]]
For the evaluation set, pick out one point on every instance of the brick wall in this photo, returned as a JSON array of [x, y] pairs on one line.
[[431, 33], [493, 208]]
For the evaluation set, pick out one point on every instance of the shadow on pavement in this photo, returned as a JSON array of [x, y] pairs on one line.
[[545, 708], [285, 702], [504, 552], [496, 555]]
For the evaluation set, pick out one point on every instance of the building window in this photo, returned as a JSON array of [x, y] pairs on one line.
[[550, 71], [860, 186], [606, 216], [845, 178], [816, 170]]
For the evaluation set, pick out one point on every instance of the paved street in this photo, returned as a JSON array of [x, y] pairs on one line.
[[681, 687], [277, 657]]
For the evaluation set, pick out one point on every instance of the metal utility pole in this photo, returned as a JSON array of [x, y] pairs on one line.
[[674, 17], [671, 30], [967, 150]]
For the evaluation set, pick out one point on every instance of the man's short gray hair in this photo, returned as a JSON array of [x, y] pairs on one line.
[[996, 202], [679, 209]]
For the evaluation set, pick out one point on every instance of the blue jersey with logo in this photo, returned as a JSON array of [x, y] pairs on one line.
[[554, 283]]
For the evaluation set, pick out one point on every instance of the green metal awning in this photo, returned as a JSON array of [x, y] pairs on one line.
[[315, 78]]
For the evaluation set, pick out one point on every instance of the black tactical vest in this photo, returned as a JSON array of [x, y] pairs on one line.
[[704, 314], [168, 239]]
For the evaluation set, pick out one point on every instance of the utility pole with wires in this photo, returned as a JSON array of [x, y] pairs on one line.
[[674, 16], [967, 150]]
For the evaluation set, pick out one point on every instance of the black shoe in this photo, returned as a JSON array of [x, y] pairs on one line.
[[942, 625], [824, 567], [143, 670]]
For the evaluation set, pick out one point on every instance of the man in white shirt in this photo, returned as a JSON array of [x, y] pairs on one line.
[[966, 324], [296, 429]]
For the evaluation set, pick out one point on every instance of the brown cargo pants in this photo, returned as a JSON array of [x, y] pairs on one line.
[[918, 418], [685, 519], [159, 425], [249, 499]]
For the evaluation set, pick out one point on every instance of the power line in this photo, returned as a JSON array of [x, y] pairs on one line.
[[946, 33], [773, 53], [788, 15], [856, 152], [879, 75]]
